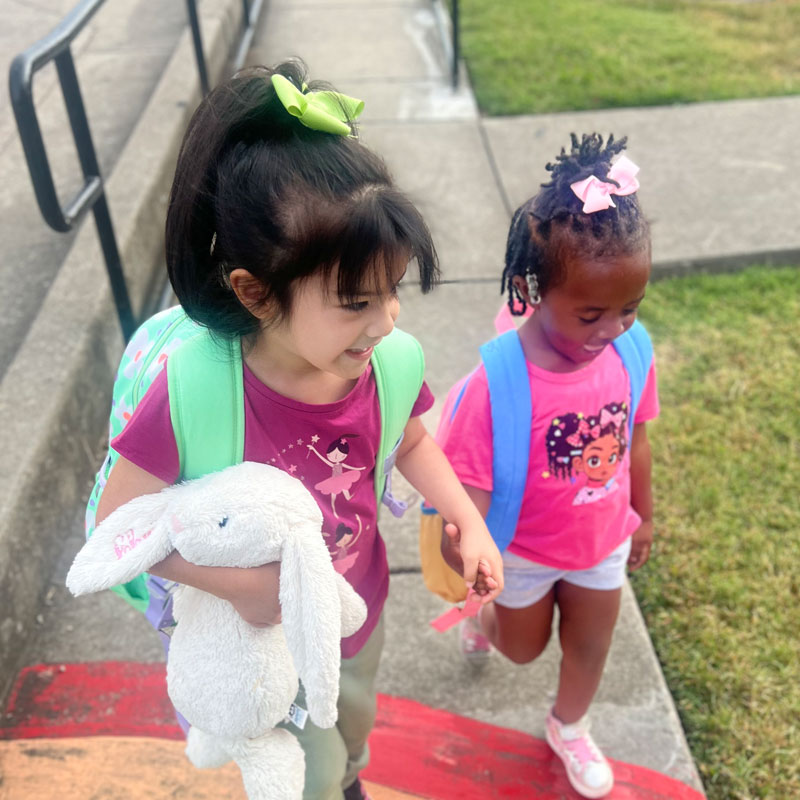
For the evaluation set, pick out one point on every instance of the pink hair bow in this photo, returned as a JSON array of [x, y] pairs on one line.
[[596, 194], [607, 417]]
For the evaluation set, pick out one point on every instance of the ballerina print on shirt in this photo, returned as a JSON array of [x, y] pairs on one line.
[[340, 482], [344, 539], [592, 446]]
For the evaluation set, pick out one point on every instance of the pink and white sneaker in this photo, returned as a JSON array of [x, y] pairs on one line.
[[587, 769], [472, 642]]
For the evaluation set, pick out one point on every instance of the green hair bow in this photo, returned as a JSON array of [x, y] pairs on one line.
[[321, 111]]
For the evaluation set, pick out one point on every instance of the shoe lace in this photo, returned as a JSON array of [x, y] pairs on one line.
[[581, 750]]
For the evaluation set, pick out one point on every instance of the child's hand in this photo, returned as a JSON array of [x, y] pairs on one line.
[[484, 573], [253, 592], [641, 544]]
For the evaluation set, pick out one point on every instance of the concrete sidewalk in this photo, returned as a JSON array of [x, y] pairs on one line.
[[59, 336], [715, 181]]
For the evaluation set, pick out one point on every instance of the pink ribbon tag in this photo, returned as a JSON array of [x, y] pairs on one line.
[[445, 621]]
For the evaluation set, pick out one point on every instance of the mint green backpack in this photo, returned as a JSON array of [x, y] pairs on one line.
[[207, 409]]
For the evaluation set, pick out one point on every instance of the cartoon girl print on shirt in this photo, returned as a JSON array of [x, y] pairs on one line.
[[339, 481], [592, 446], [344, 539]]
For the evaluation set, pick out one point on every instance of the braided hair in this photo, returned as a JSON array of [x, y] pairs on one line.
[[551, 225]]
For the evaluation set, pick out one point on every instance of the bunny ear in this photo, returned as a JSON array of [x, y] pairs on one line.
[[125, 544], [354, 609], [311, 614]]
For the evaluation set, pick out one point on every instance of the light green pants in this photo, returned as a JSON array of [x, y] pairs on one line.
[[335, 756]]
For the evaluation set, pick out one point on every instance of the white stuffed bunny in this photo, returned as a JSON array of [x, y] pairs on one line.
[[234, 682]]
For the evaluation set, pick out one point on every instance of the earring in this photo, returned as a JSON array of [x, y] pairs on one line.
[[533, 288]]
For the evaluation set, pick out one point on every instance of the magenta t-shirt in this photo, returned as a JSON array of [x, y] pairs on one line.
[[331, 447], [576, 507]]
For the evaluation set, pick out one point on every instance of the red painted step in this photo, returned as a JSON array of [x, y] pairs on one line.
[[415, 749]]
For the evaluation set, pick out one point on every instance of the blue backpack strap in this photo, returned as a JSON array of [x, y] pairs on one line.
[[510, 399], [636, 351], [460, 396]]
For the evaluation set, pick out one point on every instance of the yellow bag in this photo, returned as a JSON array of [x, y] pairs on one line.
[[439, 577]]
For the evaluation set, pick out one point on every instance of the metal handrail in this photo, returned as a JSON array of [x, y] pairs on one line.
[[456, 43], [249, 21], [55, 47], [252, 11], [451, 45], [197, 40]]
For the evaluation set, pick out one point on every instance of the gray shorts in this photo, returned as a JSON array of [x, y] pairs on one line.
[[526, 582]]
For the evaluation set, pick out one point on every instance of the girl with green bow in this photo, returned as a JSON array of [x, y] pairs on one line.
[[287, 237]]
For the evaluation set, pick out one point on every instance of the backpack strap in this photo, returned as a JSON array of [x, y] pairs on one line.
[[206, 402], [206, 399], [510, 400], [636, 352], [398, 365]]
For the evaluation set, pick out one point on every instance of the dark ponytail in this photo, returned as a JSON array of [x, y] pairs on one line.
[[255, 188]]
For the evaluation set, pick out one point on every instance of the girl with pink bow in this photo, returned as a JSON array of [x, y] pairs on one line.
[[576, 270]]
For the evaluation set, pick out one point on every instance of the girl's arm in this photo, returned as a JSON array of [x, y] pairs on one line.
[[253, 592], [451, 537], [317, 454], [641, 496], [426, 467]]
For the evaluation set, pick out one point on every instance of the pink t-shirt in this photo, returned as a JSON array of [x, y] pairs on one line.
[[576, 508], [330, 447]]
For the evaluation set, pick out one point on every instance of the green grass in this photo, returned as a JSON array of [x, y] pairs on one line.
[[533, 56], [722, 594]]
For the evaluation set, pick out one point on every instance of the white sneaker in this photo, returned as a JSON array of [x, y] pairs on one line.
[[587, 769]]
